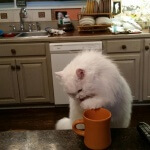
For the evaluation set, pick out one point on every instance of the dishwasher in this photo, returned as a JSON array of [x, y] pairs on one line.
[[61, 55]]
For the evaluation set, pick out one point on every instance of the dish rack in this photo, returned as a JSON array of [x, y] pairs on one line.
[[100, 27]]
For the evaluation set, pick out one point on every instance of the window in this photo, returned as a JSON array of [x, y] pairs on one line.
[[6, 4], [6, 1], [42, 3], [51, 0]]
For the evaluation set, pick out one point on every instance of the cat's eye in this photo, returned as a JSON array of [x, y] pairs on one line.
[[79, 90]]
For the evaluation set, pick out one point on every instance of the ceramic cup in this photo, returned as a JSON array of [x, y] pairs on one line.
[[97, 133]]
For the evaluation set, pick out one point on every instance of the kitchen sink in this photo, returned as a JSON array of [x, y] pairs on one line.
[[34, 34], [42, 33], [9, 34]]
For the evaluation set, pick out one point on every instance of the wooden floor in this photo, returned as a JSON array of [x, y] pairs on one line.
[[45, 118]]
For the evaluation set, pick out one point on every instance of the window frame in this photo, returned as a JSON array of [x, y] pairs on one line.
[[45, 4]]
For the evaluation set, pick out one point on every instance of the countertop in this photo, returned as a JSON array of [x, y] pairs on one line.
[[122, 139], [77, 36]]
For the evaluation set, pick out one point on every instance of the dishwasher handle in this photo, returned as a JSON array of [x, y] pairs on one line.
[[76, 46]]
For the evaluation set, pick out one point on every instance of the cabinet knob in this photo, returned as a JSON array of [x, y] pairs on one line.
[[13, 68], [13, 51], [18, 67], [124, 46], [146, 48]]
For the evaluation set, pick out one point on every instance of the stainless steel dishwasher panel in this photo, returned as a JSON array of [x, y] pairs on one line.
[[59, 61], [61, 55]]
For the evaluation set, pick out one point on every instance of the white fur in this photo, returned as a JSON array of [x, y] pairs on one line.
[[102, 79], [64, 123]]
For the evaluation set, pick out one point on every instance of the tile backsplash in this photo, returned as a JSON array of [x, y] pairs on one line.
[[32, 15], [3, 15], [6, 16]]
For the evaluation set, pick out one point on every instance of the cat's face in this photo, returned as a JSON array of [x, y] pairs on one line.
[[74, 84], [72, 81]]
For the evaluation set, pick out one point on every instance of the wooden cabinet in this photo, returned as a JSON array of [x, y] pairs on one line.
[[124, 46], [126, 55], [33, 79], [9, 92], [146, 70], [23, 79], [129, 66]]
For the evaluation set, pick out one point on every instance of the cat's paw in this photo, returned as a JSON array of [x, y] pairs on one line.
[[91, 103]]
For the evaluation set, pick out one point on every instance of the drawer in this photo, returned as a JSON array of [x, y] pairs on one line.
[[123, 46], [147, 43], [22, 49]]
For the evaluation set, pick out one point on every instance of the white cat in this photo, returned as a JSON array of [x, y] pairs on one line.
[[91, 81]]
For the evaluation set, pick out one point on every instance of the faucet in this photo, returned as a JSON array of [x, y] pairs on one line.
[[38, 27], [23, 14], [13, 27], [30, 26]]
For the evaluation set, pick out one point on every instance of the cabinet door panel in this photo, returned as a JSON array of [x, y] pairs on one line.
[[8, 82], [146, 83], [123, 46], [129, 66], [30, 49], [33, 80]]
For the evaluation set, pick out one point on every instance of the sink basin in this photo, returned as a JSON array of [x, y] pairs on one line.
[[42, 33], [30, 34], [9, 34]]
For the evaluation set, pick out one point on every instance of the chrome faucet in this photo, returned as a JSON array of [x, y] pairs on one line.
[[23, 14], [38, 27], [13, 27], [31, 26]]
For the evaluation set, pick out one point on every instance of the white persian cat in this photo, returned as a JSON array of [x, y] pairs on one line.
[[91, 81]]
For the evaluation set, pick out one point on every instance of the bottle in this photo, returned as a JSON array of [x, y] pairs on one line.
[[60, 18]]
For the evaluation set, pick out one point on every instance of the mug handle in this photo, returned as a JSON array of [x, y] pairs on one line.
[[78, 131]]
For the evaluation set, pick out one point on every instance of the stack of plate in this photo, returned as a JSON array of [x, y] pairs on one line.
[[87, 20], [103, 20]]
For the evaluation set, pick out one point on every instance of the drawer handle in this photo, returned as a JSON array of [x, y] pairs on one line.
[[18, 67], [13, 68], [146, 48], [124, 46], [13, 51]]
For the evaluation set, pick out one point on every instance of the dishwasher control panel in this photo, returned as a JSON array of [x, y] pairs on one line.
[[76, 46]]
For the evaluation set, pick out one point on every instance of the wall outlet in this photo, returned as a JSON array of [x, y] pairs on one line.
[[41, 14], [4, 16]]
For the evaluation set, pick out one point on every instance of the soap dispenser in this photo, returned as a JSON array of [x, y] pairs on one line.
[[66, 20], [67, 24]]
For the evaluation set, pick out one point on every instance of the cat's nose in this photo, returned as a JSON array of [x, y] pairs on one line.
[[79, 90]]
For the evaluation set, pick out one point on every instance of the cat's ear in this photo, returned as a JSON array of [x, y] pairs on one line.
[[80, 73], [59, 74]]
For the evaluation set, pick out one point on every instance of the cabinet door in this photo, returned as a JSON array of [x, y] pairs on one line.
[[146, 83], [8, 82], [129, 66], [33, 79]]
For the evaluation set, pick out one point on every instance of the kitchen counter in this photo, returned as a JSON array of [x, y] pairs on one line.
[[77, 36], [122, 139]]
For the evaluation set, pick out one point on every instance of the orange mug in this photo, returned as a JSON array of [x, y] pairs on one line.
[[97, 133]]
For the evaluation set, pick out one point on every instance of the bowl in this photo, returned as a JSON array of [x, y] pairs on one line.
[[1, 32], [9, 35]]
